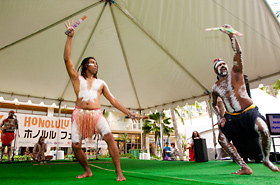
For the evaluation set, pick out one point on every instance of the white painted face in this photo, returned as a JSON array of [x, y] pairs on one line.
[[92, 66], [11, 114], [222, 68]]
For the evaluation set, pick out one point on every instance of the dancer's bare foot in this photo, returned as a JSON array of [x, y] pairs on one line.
[[85, 174], [271, 166], [244, 171], [120, 176]]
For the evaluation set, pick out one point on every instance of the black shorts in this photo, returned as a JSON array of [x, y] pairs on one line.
[[241, 126]]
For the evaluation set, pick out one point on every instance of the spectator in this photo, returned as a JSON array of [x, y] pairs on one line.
[[174, 152], [190, 145], [167, 150], [39, 151]]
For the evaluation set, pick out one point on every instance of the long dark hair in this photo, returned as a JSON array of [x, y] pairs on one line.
[[193, 134], [84, 66], [40, 138]]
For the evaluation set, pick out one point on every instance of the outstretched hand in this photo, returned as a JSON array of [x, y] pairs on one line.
[[70, 27], [222, 121], [227, 26], [135, 118]]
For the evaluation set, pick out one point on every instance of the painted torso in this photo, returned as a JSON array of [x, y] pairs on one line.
[[233, 92], [9, 124], [89, 94]]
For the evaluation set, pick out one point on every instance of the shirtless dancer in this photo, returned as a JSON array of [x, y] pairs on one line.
[[9, 125], [242, 118], [87, 119]]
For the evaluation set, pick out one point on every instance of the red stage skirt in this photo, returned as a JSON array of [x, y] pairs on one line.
[[7, 138]]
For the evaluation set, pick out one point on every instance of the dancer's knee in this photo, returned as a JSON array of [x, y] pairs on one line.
[[108, 137], [76, 146], [261, 127], [219, 141], [222, 139]]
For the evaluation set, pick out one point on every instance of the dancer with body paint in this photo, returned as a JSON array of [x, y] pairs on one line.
[[87, 119], [8, 127], [242, 118]]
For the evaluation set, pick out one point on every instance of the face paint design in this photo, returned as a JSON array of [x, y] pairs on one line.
[[224, 73], [218, 68]]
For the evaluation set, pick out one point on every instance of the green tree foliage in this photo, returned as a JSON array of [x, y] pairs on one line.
[[153, 124], [275, 86], [125, 138]]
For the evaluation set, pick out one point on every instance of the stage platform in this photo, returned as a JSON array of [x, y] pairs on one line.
[[136, 172]]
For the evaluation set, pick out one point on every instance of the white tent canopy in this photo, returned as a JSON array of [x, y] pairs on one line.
[[153, 54]]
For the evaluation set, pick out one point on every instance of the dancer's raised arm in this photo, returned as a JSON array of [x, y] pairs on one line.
[[237, 58], [67, 52]]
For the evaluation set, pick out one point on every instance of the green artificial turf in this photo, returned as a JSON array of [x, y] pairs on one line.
[[136, 172]]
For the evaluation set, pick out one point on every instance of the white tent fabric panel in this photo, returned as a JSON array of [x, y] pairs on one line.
[[21, 18], [152, 54]]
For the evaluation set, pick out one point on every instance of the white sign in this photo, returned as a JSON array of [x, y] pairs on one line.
[[56, 131]]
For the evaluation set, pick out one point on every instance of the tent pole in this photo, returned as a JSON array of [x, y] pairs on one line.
[[142, 148], [59, 113], [213, 129], [141, 135], [161, 135]]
